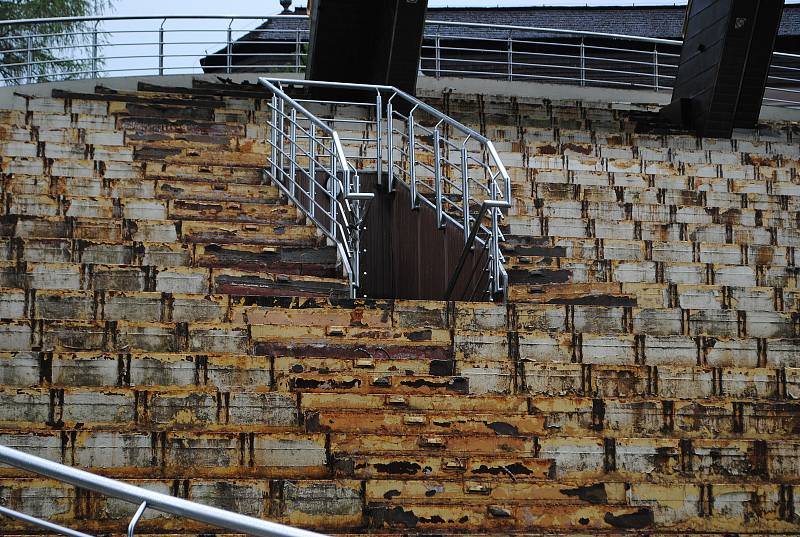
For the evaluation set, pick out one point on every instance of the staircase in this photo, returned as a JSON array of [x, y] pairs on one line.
[[642, 377]]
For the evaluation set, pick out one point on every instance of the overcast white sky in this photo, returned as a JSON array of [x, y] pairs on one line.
[[267, 7]]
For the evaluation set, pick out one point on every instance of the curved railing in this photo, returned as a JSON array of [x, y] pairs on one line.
[[35, 50], [308, 163], [445, 165]]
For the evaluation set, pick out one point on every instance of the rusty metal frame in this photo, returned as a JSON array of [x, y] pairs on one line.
[[144, 498]]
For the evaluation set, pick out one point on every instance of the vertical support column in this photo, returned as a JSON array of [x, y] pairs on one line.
[[465, 189], [334, 194], [494, 261], [229, 49], [655, 67], [297, 49], [281, 137], [437, 167], [293, 147], [273, 139], [29, 57], [95, 50], [312, 159], [438, 52], [412, 160], [379, 137], [583, 63], [161, 48], [495, 252], [510, 58], [390, 143]]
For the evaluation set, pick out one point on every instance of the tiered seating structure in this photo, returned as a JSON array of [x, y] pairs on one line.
[[170, 321]]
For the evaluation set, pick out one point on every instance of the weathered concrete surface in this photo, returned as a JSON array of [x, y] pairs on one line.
[[155, 326]]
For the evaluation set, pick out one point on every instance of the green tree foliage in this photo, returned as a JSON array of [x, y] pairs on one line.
[[58, 50]]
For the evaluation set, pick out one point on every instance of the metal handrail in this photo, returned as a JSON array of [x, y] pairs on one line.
[[554, 31], [43, 524], [401, 154], [213, 516], [302, 146]]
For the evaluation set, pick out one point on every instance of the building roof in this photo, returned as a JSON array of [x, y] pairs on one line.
[[664, 22]]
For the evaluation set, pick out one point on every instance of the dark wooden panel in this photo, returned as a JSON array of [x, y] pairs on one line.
[[407, 256]]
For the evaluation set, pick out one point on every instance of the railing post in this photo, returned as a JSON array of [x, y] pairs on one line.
[[390, 143], [437, 167], [510, 57], [29, 56], [583, 63], [465, 189], [312, 162], [273, 138], [229, 49], [494, 261], [293, 146], [334, 197], [438, 52], [161, 48], [281, 137], [379, 137], [655, 66], [135, 519], [412, 160], [297, 62], [95, 49]]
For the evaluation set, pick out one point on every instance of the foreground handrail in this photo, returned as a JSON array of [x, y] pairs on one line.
[[44, 524], [155, 500]]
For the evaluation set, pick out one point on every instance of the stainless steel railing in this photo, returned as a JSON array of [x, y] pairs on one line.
[[308, 163], [144, 499], [39, 50], [584, 58], [445, 165], [34, 50]]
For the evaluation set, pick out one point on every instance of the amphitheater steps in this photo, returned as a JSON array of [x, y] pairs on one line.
[[140, 337]]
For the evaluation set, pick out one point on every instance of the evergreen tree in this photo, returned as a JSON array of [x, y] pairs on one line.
[[52, 50]]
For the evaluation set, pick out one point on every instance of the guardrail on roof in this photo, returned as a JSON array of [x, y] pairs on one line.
[[35, 50]]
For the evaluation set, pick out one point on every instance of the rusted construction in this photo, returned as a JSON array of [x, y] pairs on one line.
[[167, 319]]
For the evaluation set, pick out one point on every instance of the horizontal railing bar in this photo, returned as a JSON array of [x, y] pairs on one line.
[[149, 17], [155, 500], [44, 524], [554, 30]]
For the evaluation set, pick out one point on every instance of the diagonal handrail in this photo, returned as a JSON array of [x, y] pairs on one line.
[[302, 148], [43, 524], [465, 169], [213, 516]]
